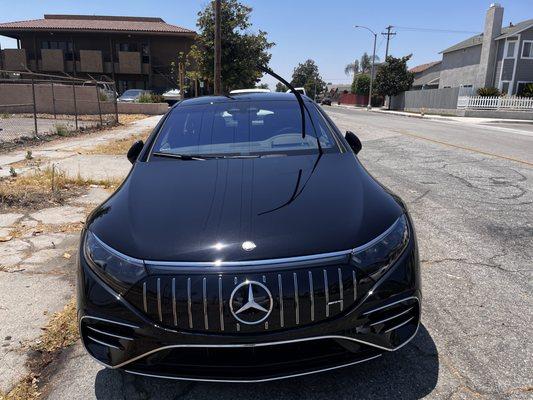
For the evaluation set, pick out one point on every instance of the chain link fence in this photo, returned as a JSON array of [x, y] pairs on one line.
[[33, 106]]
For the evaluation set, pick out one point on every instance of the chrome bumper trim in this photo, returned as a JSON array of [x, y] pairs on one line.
[[256, 380]]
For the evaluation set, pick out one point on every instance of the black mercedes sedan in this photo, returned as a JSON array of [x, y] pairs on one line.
[[247, 244]]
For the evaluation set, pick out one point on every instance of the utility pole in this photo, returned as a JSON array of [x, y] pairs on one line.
[[388, 34], [373, 61], [218, 48]]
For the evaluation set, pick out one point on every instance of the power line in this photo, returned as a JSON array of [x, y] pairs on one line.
[[388, 34], [407, 28]]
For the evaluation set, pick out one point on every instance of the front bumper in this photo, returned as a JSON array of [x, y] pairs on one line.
[[119, 335]]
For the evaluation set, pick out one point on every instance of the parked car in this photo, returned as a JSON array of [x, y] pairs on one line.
[[246, 245], [106, 90], [132, 95], [300, 90], [172, 95], [326, 101], [253, 90]]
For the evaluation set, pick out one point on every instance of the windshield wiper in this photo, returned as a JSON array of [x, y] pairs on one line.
[[185, 157], [300, 103]]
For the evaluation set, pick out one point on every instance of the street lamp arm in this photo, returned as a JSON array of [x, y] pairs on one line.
[[367, 28]]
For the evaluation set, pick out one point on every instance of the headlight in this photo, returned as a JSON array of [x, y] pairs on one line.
[[116, 269], [375, 258]]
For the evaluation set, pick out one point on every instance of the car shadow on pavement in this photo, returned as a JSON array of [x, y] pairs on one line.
[[409, 373]]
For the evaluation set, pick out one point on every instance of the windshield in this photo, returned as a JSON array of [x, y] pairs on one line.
[[242, 128], [132, 93]]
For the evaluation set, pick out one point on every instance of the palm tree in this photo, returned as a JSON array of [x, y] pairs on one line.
[[352, 68]]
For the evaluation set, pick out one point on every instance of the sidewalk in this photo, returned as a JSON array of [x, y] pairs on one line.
[[472, 120], [38, 243]]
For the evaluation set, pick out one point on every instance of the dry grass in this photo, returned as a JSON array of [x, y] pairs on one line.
[[42, 187], [26, 389], [60, 332], [129, 118], [119, 146]]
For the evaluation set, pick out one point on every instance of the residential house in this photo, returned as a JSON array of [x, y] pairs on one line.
[[426, 76], [135, 52], [499, 57]]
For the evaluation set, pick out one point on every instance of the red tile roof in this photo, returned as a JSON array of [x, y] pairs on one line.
[[102, 23], [423, 67]]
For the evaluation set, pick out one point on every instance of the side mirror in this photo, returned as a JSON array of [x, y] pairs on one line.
[[135, 150], [354, 142]]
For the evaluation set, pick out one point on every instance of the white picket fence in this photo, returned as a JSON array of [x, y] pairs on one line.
[[495, 103]]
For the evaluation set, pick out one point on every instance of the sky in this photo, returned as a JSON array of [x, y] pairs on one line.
[[317, 29]]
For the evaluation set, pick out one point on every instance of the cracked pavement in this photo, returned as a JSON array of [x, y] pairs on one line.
[[474, 219]]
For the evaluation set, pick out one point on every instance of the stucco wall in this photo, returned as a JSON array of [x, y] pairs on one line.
[[91, 61], [460, 67], [52, 60], [14, 59]]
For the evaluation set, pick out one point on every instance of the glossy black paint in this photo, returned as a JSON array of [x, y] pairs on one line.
[[172, 210]]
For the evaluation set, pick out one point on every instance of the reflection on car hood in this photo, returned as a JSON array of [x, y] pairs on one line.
[[204, 210]]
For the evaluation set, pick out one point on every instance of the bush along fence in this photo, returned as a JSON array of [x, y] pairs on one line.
[[34, 105]]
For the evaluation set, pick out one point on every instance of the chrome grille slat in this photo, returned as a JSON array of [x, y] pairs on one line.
[[281, 314], [391, 318], [296, 299], [189, 302], [354, 286], [174, 309], [159, 311], [311, 295], [145, 299], [220, 303], [109, 334], [399, 325], [204, 292], [341, 289], [103, 343], [326, 292]]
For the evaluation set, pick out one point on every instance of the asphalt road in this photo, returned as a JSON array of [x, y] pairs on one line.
[[469, 190]]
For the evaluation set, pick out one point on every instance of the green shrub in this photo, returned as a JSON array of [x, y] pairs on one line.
[[527, 91], [151, 98], [361, 84], [488, 92], [61, 130]]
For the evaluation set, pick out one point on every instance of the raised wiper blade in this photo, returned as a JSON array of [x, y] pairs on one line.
[[185, 157]]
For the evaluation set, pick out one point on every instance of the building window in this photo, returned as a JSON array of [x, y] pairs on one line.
[[510, 49], [527, 49], [145, 53], [504, 87], [67, 47], [127, 47]]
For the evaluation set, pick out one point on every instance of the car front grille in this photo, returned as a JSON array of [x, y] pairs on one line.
[[200, 302]]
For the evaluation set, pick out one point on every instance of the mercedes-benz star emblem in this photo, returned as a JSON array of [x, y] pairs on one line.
[[251, 302], [248, 245]]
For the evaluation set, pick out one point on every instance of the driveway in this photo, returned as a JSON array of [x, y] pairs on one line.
[[469, 189]]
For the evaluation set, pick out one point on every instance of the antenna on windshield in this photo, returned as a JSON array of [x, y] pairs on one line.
[[293, 90]]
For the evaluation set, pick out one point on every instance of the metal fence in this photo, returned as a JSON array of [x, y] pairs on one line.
[[495, 103], [440, 99], [36, 105]]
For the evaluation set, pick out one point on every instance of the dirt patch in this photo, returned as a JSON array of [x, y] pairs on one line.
[[44, 188]]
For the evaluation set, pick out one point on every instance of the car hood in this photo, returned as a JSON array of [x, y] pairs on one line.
[[173, 210]]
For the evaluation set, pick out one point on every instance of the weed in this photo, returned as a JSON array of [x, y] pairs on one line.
[[29, 155], [62, 130], [12, 172]]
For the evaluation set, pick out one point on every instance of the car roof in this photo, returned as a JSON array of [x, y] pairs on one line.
[[242, 97]]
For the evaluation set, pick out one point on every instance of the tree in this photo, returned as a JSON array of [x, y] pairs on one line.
[[262, 86], [365, 64], [241, 50], [361, 84], [352, 68], [306, 75], [280, 87], [393, 77]]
